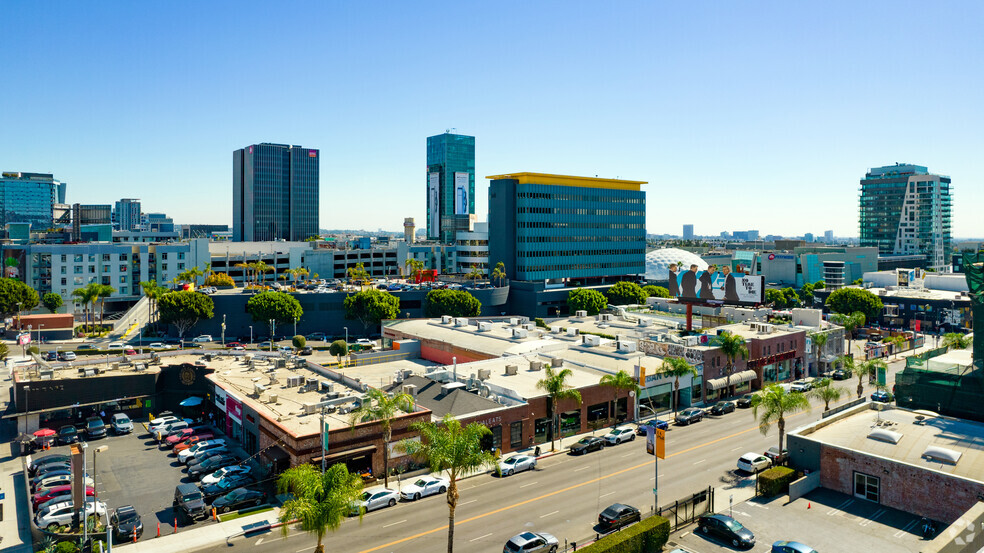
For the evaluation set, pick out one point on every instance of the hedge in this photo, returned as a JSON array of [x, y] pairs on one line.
[[649, 534], [776, 480]]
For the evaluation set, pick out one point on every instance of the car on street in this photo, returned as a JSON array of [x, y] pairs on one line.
[[86, 347], [234, 344], [51, 356], [223, 472], [121, 424], [115, 345], [61, 514], [619, 435], [618, 515], [160, 345], [882, 396], [226, 485], [839, 374], [67, 356], [800, 386], [753, 462], [689, 415], [35, 465], [424, 486], [586, 445], [204, 338], [264, 345], [285, 349], [722, 407], [516, 463], [532, 542], [126, 523], [726, 529], [745, 401], [376, 498], [95, 428], [68, 434], [775, 456], [238, 498], [655, 423], [791, 547], [316, 336]]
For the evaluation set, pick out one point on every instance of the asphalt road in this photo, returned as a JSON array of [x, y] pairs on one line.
[[563, 496]]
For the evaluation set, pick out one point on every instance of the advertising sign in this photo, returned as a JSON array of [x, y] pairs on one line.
[[461, 193], [656, 440], [712, 285], [23, 339], [234, 408], [906, 276], [433, 204]]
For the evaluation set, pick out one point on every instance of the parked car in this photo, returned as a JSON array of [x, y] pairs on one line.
[[190, 441], [35, 465], [619, 435], [839, 374], [775, 456], [655, 423], [160, 345], [264, 345], [800, 386], [68, 434], [160, 422], [618, 515], [58, 491], [424, 486], [532, 542], [516, 463], [587, 444], [306, 350], [115, 345], [201, 447], [55, 481], [238, 498], [202, 339], [222, 472], [49, 468], [791, 547], [67, 356], [95, 428], [61, 514], [212, 464], [316, 336], [689, 415], [753, 462], [175, 427], [62, 497], [234, 345], [126, 523], [189, 503], [726, 528], [121, 424], [202, 433], [86, 347], [882, 396], [722, 407], [51, 356], [55, 472], [226, 485], [376, 498], [365, 342]]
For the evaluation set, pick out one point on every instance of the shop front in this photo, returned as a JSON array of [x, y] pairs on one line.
[[777, 368], [234, 417], [656, 391], [734, 385]]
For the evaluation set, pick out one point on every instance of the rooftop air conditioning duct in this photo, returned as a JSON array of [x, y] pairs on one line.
[[461, 321], [512, 370]]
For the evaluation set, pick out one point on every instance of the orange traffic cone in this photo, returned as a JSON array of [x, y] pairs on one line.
[[807, 504], [158, 528]]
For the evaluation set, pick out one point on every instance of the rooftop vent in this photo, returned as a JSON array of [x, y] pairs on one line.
[[572, 332], [484, 327], [512, 369], [461, 321], [883, 435], [410, 390], [446, 319], [606, 316], [941, 454], [536, 365], [582, 313], [514, 321], [520, 333], [556, 362], [452, 386], [626, 346], [591, 340], [484, 374]]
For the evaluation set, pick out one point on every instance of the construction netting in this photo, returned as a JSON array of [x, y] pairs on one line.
[[974, 271]]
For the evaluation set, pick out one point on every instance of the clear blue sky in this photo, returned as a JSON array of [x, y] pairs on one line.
[[739, 114]]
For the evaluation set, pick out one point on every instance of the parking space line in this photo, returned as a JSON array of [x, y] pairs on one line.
[[699, 462], [626, 455], [760, 506], [607, 494], [467, 502], [837, 510], [872, 518], [258, 542], [905, 529], [476, 539], [548, 514], [385, 525]]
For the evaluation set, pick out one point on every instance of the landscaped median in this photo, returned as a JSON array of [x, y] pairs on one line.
[[649, 534]]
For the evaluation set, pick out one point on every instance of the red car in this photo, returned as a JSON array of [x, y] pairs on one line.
[[234, 345], [173, 440], [58, 491], [190, 441]]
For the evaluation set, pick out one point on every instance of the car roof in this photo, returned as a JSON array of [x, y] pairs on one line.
[[751, 455]]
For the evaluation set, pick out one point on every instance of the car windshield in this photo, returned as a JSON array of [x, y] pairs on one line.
[[67, 430], [420, 482], [584, 441], [366, 496], [236, 494], [127, 515], [195, 496], [733, 525], [610, 512], [509, 461]]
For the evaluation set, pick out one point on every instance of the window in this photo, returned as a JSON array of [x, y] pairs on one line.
[[105, 258], [516, 435], [124, 290], [122, 279], [866, 486], [64, 258], [64, 269], [78, 258], [64, 282], [78, 269]]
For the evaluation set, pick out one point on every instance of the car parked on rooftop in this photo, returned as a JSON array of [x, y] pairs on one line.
[[791, 547], [727, 529]]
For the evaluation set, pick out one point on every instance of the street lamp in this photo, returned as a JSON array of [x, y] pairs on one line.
[[655, 466], [295, 326], [273, 331], [27, 408], [223, 330], [346, 336], [251, 335], [39, 336]]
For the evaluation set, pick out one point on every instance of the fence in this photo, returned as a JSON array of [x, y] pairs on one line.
[[685, 511]]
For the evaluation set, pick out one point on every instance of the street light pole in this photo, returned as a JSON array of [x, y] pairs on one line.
[[223, 330], [655, 466], [346, 336], [295, 326], [251, 335], [324, 446], [273, 332], [27, 408], [39, 336]]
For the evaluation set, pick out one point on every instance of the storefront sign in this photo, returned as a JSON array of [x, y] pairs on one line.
[[220, 399], [666, 349], [762, 361], [234, 408], [396, 448]]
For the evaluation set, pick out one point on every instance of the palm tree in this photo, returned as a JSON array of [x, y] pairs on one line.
[[86, 295], [208, 271], [261, 269], [825, 392], [320, 501], [415, 266], [898, 342], [618, 382], [849, 322], [453, 448], [380, 406], [862, 369], [475, 274], [499, 272], [775, 403], [245, 268], [102, 292], [732, 346], [819, 342], [677, 367], [955, 340], [555, 384]]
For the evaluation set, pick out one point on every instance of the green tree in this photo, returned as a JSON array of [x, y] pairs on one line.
[[824, 390], [298, 341], [371, 306], [52, 301], [676, 367], [338, 348], [281, 307], [626, 293], [475, 274], [806, 293], [102, 292], [619, 382], [12, 292], [774, 403], [454, 449], [819, 340], [380, 406], [320, 501], [581, 299], [184, 309], [955, 340], [862, 369], [775, 298], [87, 296], [219, 279], [358, 274], [499, 273], [153, 292], [656, 291], [260, 269], [819, 285], [732, 346], [4, 351], [849, 322], [855, 300], [414, 267], [456, 303], [792, 299], [556, 386]]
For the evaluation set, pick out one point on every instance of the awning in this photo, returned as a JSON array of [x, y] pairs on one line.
[[335, 457], [737, 378], [191, 402]]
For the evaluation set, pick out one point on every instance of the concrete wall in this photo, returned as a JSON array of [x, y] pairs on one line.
[[963, 536], [804, 485]]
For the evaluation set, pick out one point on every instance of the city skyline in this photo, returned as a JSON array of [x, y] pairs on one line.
[[762, 113]]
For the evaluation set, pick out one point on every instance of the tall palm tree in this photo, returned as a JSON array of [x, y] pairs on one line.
[[86, 295], [245, 268], [102, 292], [454, 449], [732, 346], [819, 342], [897, 342], [677, 367], [618, 382], [261, 269], [862, 369], [415, 266], [499, 272], [320, 501], [193, 274], [380, 406], [775, 403], [826, 392], [849, 322], [556, 386]]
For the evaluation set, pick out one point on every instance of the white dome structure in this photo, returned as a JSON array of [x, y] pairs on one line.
[[658, 262]]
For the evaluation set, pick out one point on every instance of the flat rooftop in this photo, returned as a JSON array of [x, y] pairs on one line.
[[94, 366], [962, 436], [747, 332]]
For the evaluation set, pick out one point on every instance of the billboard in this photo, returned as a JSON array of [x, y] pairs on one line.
[[433, 204], [725, 286], [461, 193]]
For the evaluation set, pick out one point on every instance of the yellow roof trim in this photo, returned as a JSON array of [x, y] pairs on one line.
[[565, 180]]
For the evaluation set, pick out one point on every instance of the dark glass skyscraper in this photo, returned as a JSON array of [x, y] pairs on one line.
[[29, 198], [450, 185], [274, 193]]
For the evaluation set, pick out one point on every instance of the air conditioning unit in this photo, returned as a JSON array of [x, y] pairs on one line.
[[410, 390], [484, 327], [582, 313], [310, 408], [606, 316], [556, 362], [446, 319], [274, 398], [294, 380], [514, 321], [536, 365], [484, 374], [529, 326], [572, 332], [258, 389], [691, 341], [461, 321], [643, 323], [520, 333], [555, 330], [512, 369], [327, 386], [591, 340], [626, 346]]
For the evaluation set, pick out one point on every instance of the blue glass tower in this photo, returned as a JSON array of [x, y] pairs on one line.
[[450, 185], [29, 198], [274, 193]]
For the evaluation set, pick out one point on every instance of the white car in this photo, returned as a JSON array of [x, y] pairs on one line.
[[217, 475], [365, 342], [60, 514], [800, 386], [753, 462], [424, 486], [619, 435], [202, 339], [185, 455], [157, 424], [376, 498], [115, 345], [160, 345], [516, 463]]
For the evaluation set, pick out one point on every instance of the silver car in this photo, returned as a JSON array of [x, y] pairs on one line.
[[531, 542], [516, 463], [375, 499], [121, 424]]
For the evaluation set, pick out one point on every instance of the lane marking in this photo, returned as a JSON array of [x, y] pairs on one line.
[[905, 529], [607, 494], [548, 514], [481, 537], [699, 462], [258, 542], [467, 502], [582, 468], [527, 485], [394, 523], [737, 448]]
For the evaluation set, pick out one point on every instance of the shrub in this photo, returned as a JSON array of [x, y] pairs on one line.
[[775, 481], [33, 349], [66, 547], [649, 534], [656, 291], [219, 279], [298, 341], [540, 323]]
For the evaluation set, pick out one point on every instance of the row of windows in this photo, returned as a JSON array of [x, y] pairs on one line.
[[581, 211], [580, 198], [578, 266], [563, 253], [545, 239], [561, 224]]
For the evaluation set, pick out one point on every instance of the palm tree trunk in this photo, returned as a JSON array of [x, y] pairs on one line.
[[387, 436], [321, 547], [782, 431], [452, 503], [553, 424]]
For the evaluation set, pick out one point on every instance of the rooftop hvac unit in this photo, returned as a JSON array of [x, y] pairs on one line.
[[446, 319], [591, 340], [410, 390], [281, 363], [691, 341], [461, 321], [582, 313], [310, 408], [258, 389], [140, 366], [520, 333], [626, 346], [606, 316], [556, 362], [529, 326], [643, 322], [274, 398], [327, 386], [882, 292], [555, 330], [511, 370], [484, 374], [514, 321], [484, 327], [294, 380], [311, 381], [536, 365], [572, 332]]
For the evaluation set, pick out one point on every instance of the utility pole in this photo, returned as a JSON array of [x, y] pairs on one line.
[[324, 440]]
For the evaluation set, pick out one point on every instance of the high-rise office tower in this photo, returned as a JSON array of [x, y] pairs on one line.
[[828, 236], [905, 210], [450, 185], [274, 193], [126, 214], [29, 198], [688, 232], [808, 237]]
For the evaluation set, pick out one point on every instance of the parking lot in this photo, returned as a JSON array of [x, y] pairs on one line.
[[823, 520]]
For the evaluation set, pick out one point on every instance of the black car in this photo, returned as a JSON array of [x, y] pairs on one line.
[[38, 464], [689, 415], [726, 528], [722, 407], [49, 468], [201, 457], [126, 522], [68, 434], [226, 485], [587, 444], [237, 499], [839, 374], [745, 401], [210, 465], [51, 356], [306, 350], [95, 428], [618, 515]]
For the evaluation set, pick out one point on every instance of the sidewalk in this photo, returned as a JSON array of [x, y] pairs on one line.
[[204, 536]]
